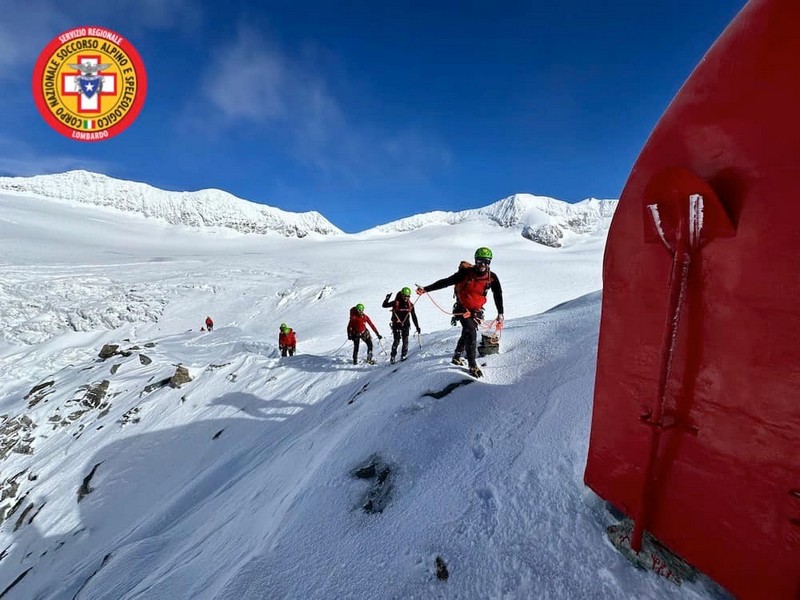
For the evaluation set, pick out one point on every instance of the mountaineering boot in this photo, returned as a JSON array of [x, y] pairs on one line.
[[392, 360], [369, 359], [355, 361], [457, 360], [404, 357], [475, 371]]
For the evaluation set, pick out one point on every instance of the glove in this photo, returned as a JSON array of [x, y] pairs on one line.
[[380, 337], [420, 291], [419, 331], [389, 295], [500, 318]]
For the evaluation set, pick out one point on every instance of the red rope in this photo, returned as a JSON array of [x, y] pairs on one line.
[[494, 323]]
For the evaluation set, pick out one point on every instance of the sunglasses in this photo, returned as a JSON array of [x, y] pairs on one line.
[[483, 261]]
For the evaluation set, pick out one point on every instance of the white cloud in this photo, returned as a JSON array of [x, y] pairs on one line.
[[247, 80], [23, 34], [252, 81], [25, 29]]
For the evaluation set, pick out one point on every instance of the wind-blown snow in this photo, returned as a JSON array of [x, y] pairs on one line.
[[239, 483], [204, 208]]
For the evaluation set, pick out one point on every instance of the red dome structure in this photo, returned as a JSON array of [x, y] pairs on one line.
[[696, 424]]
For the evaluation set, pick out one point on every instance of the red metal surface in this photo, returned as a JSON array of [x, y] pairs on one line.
[[696, 423]]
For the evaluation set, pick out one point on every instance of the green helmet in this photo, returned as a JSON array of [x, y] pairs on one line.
[[284, 327], [360, 308], [406, 291], [483, 253]]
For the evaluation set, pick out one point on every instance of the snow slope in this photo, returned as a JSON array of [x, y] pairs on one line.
[[241, 482]]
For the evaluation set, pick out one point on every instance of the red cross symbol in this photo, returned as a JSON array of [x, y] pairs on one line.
[[70, 87]]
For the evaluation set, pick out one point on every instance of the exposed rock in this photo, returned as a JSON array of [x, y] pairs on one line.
[[154, 386], [10, 486], [95, 394], [115, 368], [489, 344], [441, 569], [215, 367], [85, 488], [180, 377], [378, 495], [653, 556], [14, 507], [129, 417], [22, 448], [15, 436], [21, 518], [38, 393], [145, 360], [547, 235], [108, 351]]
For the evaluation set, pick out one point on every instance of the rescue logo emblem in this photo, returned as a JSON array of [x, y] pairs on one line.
[[89, 84]]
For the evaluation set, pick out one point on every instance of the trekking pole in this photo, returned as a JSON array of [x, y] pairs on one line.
[[419, 341]]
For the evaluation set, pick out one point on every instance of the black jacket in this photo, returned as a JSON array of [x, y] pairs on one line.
[[401, 308]]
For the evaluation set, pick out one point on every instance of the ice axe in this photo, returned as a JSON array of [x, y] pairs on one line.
[[683, 213]]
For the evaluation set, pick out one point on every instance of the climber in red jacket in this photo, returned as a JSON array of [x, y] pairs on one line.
[[287, 340], [357, 331]]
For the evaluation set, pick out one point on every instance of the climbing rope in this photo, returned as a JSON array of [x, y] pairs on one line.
[[482, 324]]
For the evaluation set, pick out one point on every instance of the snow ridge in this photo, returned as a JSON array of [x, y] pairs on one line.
[[204, 208], [541, 219]]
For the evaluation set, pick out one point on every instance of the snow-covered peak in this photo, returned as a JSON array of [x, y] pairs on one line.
[[203, 208], [540, 218]]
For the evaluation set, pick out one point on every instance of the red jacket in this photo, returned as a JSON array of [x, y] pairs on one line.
[[471, 287], [358, 324], [287, 340], [209, 322]]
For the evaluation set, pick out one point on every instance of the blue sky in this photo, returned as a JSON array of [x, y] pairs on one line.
[[370, 111]]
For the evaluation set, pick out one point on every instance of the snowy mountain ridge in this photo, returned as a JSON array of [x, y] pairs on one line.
[[203, 208], [541, 219]]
